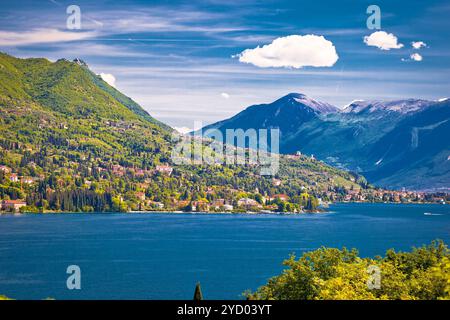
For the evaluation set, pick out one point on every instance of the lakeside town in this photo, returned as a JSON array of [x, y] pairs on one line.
[[233, 200]]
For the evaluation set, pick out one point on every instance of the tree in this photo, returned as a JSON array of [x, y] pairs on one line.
[[329, 273], [198, 292]]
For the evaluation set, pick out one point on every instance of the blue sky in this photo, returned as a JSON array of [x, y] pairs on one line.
[[176, 57]]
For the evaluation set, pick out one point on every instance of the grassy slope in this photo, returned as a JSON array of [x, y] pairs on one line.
[[44, 95]]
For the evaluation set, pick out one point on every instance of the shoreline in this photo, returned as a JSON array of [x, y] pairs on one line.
[[325, 210]]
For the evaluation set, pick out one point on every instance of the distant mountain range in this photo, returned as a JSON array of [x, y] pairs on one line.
[[395, 144]]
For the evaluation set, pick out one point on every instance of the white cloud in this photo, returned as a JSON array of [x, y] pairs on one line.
[[161, 19], [416, 57], [183, 130], [418, 44], [225, 95], [294, 51], [109, 79], [383, 40], [39, 36]]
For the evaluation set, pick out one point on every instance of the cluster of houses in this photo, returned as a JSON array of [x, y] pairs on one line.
[[121, 170], [216, 205], [200, 205], [221, 205], [13, 177], [14, 205], [394, 196], [115, 169]]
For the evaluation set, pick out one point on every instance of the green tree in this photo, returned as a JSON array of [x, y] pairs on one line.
[[329, 273]]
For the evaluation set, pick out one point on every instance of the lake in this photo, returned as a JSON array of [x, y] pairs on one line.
[[162, 256]]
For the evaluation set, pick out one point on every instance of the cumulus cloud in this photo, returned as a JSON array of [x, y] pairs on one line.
[[413, 57], [109, 79], [294, 51], [383, 40], [418, 44], [416, 57], [225, 95]]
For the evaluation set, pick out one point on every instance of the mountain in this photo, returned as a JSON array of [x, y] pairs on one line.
[[396, 144], [71, 142], [287, 114], [396, 106], [416, 152], [68, 88]]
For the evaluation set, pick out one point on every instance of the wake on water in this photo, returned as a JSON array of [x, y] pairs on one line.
[[433, 214]]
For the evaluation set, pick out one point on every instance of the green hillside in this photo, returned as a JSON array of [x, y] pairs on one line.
[[77, 144]]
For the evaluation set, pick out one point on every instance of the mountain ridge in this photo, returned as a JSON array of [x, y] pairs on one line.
[[399, 106], [349, 138]]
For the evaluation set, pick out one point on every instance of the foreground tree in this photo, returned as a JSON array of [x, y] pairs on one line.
[[333, 274], [198, 292]]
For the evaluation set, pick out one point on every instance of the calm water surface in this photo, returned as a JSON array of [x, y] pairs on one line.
[[162, 256]]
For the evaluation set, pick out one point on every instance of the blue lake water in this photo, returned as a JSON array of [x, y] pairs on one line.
[[162, 256]]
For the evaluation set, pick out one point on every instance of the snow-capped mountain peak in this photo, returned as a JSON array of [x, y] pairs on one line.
[[398, 106], [352, 106], [302, 100]]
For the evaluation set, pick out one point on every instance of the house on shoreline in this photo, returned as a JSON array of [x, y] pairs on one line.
[[248, 203], [12, 205]]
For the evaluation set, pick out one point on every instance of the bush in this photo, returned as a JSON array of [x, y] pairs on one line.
[[333, 274]]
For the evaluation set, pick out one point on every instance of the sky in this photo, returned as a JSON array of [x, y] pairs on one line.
[[191, 61]]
